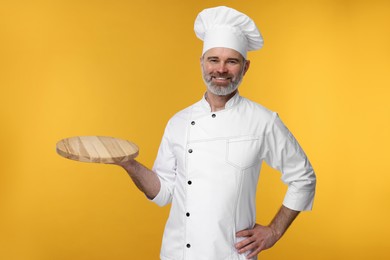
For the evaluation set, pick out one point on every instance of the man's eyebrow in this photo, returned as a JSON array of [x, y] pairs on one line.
[[212, 58], [234, 59]]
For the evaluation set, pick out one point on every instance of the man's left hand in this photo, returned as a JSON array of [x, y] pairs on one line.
[[257, 239]]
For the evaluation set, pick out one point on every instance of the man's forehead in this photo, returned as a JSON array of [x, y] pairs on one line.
[[221, 52]]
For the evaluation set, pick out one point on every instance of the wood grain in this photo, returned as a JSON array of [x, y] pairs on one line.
[[97, 149]]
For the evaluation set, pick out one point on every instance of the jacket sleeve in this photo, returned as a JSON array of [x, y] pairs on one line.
[[165, 167], [283, 153]]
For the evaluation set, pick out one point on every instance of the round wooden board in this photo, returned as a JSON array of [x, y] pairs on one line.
[[97, 149]]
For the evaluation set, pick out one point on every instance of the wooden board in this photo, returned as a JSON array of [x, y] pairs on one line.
[[97, 149]]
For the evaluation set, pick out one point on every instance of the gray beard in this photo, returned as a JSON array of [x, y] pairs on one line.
[[221, 91], [225, 90]]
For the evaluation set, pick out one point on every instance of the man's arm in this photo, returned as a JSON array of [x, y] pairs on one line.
[[145, 179], [263, 237]]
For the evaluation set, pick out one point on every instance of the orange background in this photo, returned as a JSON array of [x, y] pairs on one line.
[[123, 68]]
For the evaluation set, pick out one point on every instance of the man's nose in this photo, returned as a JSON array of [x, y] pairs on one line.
[[222, 68]]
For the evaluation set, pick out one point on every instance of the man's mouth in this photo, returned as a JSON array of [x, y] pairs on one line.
[[220, 78]]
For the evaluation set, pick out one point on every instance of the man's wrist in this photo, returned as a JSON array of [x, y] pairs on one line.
[[130, 166], [277, 232]]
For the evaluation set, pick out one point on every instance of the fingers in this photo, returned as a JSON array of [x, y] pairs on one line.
[[255, 241], [244, 233], [242, 246], [248, 235], [250, 245], [255, 252], [247, 244]]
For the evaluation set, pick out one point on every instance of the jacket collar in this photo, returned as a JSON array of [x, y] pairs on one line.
[[233, 101]]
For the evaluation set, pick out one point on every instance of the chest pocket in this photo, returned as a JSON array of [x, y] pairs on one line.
[[243, 152]]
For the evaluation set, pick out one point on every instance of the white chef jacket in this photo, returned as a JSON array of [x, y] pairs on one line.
[[208, 164]]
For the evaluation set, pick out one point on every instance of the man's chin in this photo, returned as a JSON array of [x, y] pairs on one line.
[[221, 91]]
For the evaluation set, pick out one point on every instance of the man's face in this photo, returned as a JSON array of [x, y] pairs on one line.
[[223, 70]]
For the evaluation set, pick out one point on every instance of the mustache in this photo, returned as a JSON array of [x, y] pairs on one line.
[[221, 75]]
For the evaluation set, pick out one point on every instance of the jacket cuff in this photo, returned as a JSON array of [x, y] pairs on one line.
[[299, 200], [163, 197]]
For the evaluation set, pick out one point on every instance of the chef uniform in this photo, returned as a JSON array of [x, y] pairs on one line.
[[208, 162]]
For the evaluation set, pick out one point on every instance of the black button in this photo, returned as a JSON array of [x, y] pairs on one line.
[[190, 150], [193, 123], [187, 214], [213, 115], [188, 245], [189, 182]]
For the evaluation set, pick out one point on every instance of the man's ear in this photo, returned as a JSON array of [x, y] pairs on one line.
[[247, 65]]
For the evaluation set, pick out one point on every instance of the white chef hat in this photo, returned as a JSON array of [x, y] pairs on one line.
[[225, 27]]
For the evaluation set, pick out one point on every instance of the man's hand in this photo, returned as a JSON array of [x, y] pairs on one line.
[[261, 237], [145, 179], [257, 239]]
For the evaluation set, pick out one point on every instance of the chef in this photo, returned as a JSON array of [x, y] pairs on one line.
[[210, 157]]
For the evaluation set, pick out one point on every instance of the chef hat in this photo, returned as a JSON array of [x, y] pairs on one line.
[[225, 27]]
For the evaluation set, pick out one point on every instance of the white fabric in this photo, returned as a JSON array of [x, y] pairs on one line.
[[226, 27], [222, 155]]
